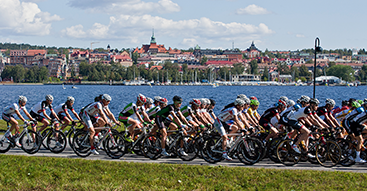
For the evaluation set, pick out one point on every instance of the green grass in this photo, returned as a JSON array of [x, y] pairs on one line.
[[46, 173]]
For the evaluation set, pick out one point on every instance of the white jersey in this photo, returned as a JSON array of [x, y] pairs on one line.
[[10, 110], [301, 113], [93, 108], [40, 107], [228, 114]]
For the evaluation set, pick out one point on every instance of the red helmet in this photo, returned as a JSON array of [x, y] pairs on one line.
[[142, 98], [253, 98], [163, 100], [195, 102]]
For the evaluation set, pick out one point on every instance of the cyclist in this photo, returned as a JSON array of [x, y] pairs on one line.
[[63, 114], [148, 104], [162, 102], [189, 113], [211, 108], [95, 115], [303, 113], [8, 116], [324, 113], [163, 121], [356, 127], [41, 107], [131, 117], [228, 120], [266, 117], [252, 111], [340, 112], [156, 100]]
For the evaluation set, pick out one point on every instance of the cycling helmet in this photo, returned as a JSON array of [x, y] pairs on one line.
[[163, 100], [207, 101], [177, 98], [203, 101], [196, 102], [365, 101], [305, 99], [356, 104], [283, 98], [360, 101], [290, 103], [299, 100], [149, 100], [70, 99], [247, 101], [253, 98], [212, 102], [142, 98], [239, 101], [157, 98], [106, 97], [254, 102], [330, 102], [315, 101], [49, 97], [282, 103], [241, 96], [345, 102], [22, 99], [297, 106]]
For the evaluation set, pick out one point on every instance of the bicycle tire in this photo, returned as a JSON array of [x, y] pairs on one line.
[[115, 146], [5, 144], [328, 154], [250, 150], [286, 155], [81, 144], [272, 149], [211, 152], [188, 146], [31, 142], [56, 136], [344, 146], [151, 147]]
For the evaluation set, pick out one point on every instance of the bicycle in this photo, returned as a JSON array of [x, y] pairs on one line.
[[71, 132], [30, 140], [52, 139], [113, 143], [135, 147]]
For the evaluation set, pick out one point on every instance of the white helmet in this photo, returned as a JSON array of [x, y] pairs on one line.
[[284, 98], [330, 102], [203, 101], [157, 98], [149, 100], [22, 99], [247, 100], [241, 96], [290, 103], [305, 98], [282, 103], [106, 97], [239, 101], [70, 99], [49, 97]]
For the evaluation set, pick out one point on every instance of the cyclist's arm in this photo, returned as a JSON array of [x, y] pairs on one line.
[[53, 113], [19, 115], [182, 117], [237, 122], [76, 115], [208, 117], [146, 117], [249, 118], [243, 119], [28, 115], [110, 115], [175, 118], [103, 115], [68, 115]]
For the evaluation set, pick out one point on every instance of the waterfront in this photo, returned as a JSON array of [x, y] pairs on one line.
[[122, 95]]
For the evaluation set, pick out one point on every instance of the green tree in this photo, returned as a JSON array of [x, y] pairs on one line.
[[135, 57], [303, 71], [253, 65], [203, 60], [42, 74], [265, 74], [341, 71]]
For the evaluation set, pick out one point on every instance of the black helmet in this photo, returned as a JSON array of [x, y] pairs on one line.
[[212, 102], [345, 102], [177, 98]]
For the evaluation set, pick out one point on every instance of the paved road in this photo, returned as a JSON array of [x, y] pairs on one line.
[[68, 153]]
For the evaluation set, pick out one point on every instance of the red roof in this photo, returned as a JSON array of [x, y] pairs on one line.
[[218, 62], [35, 52], [156, 67]]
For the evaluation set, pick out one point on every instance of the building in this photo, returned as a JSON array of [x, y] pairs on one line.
[[152, 48], [245, 77], [252, 51]]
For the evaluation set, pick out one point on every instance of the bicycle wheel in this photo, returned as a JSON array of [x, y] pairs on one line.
[[151, 147], [212, 150], [115, 146], [44, 136], [346, 152], [186, 148], [56, 141], [272, 149], [81, 143], [250, 150], [286, 154], [4, 142], [31, 142], [328, 154]]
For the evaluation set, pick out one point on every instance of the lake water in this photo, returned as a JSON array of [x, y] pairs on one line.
[[122, 95]]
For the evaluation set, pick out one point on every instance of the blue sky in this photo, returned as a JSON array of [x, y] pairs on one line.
[[272, 25]]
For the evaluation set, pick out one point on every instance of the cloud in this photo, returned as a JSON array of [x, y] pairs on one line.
[[252, 10], [24, 18], [134, 29], [300, 36], [131, 7]]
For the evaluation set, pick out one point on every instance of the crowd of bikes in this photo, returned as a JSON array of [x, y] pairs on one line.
[[329, 145]]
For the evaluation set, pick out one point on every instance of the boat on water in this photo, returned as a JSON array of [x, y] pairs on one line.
[[63, 87], [74, 87]]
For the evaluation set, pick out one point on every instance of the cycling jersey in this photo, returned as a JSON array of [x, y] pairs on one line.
[[187, 112], [252, 112], [62, 108], [339, 109], [40, 107], [270, 113], [93, 108], [300, 114], [361, 118], [322, 111], [153, 111], [10, 110], [354, 113], [166, 111], [130, 111], [228, 114], [341, 115]]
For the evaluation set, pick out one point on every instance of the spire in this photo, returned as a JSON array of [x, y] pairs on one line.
[[152, 40]]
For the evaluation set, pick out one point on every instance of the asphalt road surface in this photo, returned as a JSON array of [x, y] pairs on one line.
[[266, 163]]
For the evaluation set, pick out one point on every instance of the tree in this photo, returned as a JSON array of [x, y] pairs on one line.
[[238, 68], [303, 71], [253, 65], [265, 74], [135, 57], [204, 59], [43, 74], [341, 71]]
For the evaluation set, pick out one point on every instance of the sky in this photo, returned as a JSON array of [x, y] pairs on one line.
[[270, 24]]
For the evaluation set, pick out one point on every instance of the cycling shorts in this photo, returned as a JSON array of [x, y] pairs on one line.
[[265, 124], [356, 128], [37, 116], [346, 125], [162, 122], [89, 120], [7, 117], [219, 126], [295, 124]]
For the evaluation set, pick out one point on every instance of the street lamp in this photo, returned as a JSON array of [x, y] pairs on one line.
[[317, 49]]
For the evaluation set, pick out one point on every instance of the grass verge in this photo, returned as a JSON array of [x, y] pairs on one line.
[[46, 173]]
